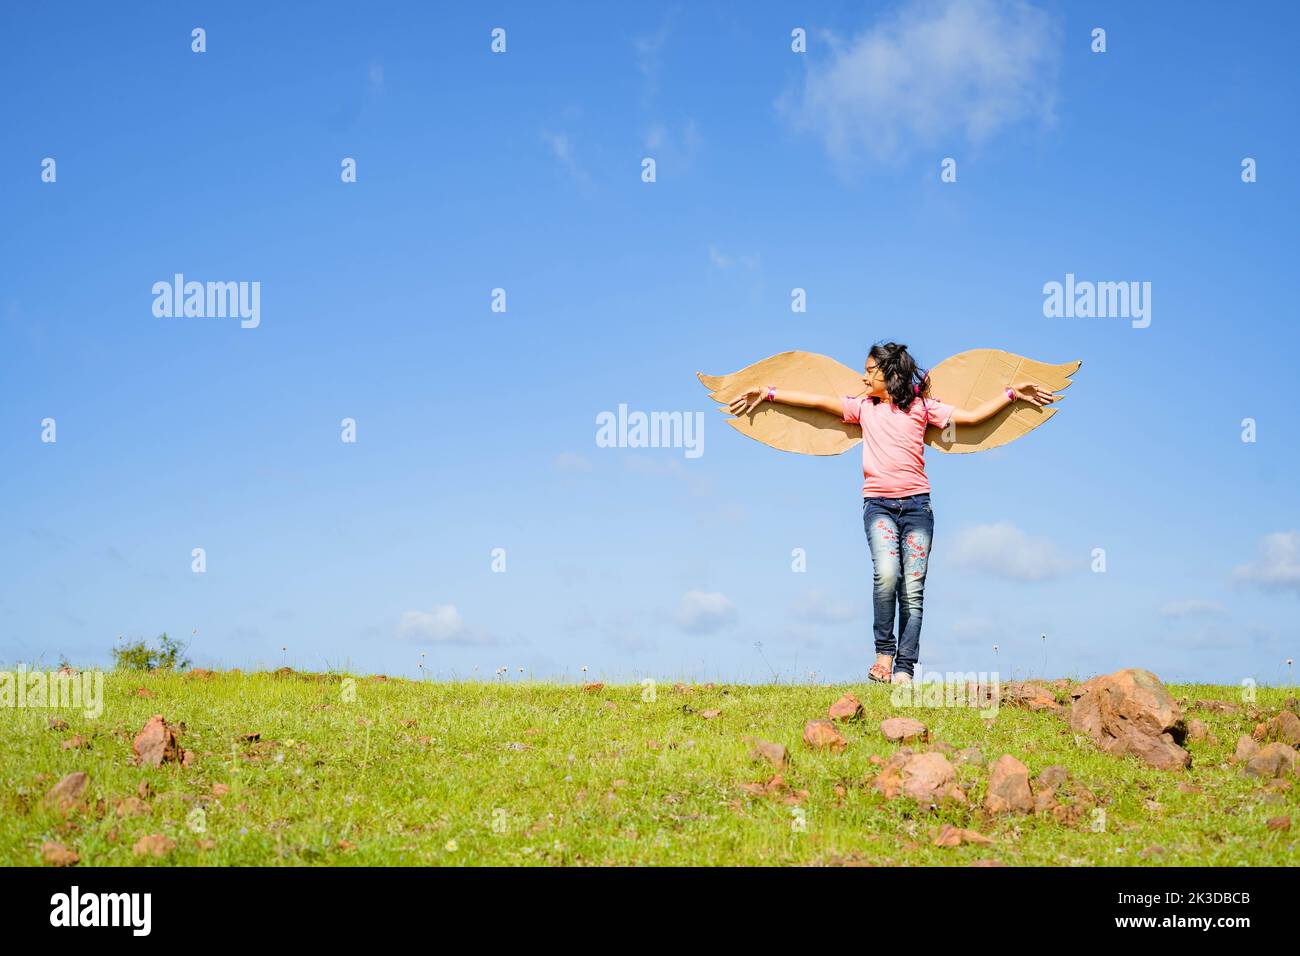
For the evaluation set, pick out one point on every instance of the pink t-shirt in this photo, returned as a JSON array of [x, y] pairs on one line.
[[893, 446]]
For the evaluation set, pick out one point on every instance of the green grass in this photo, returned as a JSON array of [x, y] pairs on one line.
[[350, 783]]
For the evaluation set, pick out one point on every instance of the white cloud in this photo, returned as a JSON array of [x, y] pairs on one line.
[[934, 72], [563, 149], [649, 55], [703, 612], [1191, 608], [442, 625], [1277, 567], [1003, 550], [560, 145], [674, 151], [820, 607]]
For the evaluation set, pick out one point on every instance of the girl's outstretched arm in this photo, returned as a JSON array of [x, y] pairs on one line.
[[1024, 391], [746, 402]]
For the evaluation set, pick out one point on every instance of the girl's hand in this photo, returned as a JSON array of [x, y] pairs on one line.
[[746, 402], [1032, 392]]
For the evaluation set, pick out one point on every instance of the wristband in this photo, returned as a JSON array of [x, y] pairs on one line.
[[771, 393], [1010, 393]]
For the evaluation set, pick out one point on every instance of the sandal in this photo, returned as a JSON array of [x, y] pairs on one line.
[[880, 672], [902, 678]]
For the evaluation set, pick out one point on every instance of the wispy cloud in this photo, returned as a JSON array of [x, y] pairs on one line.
[[822, 607], [673, 152], [1003, 550], [721, 260], [1276, 566], [562, 147], [1191, 608], [648, 51], [442, 625], [704, 612], [933, 73]]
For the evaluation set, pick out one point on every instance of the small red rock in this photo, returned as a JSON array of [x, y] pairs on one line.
[[56, 854], [846, 708], [157, 744], [950, 835], [820, 734], [904, 729], [1008, 789], [68, 791], [155, 845], [773, 753], [132, 807], [1272, 760]]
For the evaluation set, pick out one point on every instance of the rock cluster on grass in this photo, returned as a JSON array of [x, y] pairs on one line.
[[950, 835], [1031, 696], [1284, 728], [1131, 712], [1268, 761], [928, 778], [1217, 706], [777, 788], [1128, 712]]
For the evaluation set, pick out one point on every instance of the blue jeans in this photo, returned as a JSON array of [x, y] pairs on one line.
[[899, 531]]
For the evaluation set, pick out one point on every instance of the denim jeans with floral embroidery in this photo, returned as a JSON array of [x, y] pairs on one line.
[[899, 531]]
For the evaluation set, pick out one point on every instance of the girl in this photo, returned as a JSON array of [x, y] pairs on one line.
[[894, 413]]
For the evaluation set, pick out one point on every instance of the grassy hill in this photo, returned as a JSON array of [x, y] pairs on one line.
[[303, 769]]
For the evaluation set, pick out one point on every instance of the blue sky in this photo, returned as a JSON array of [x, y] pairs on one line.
[[476, 429]]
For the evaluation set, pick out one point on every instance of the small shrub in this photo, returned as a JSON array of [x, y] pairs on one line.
[[140, 656]]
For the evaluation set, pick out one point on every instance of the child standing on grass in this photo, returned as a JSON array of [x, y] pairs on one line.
[[894, 412]]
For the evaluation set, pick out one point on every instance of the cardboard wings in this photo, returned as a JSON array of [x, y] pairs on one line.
[[965, 380]]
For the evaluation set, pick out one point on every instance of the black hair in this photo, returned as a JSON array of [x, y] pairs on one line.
[[905, 381]]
